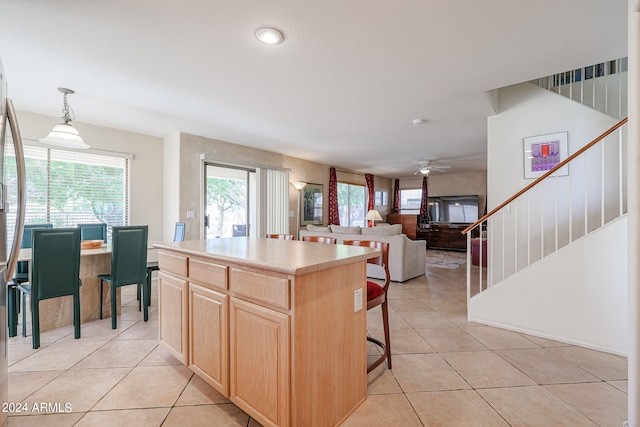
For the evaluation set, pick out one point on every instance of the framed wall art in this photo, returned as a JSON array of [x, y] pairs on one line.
[[544, 152], [311, 204]]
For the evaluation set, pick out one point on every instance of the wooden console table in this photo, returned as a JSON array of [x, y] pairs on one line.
[[409, 223], [271, 324]]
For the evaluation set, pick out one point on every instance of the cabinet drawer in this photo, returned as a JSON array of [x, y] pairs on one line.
[[260, 287], [176, 264], [206, 273]]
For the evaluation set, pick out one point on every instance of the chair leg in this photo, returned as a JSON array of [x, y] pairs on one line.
[[146, 296], [76, 315], [35, 322], [114, 309], [24, 315], [12, 313], [101, 287], [139, 296], [385, 323]]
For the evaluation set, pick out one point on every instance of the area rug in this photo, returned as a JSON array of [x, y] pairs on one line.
[[445, 259]]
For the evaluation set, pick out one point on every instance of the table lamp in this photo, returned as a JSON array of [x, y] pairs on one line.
[[372, 216]]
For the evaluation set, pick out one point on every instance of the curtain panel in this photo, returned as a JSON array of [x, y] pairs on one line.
[[334, 215], [370, 194], [424, 202], [396, 197]]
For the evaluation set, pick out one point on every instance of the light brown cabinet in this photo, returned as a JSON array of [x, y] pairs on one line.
[[275, 330], [409, 224], [260, 362]]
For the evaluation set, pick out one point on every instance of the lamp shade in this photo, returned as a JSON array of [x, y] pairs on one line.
[[299, 185], [64, 135], [373, 215]]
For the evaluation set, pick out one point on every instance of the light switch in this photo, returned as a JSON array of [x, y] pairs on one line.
[[357, 300], [191, 214]]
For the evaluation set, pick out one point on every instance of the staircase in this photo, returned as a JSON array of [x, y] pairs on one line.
[[548, 238], [602, 87]]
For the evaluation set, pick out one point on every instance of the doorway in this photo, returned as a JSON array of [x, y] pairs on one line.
[[230, 200]]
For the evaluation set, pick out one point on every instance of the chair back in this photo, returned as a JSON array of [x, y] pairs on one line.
[[382, 260], [129, 255], [27, 233], [178, 235], [281, 236], [93, 231], [55, 268], [320, 239]]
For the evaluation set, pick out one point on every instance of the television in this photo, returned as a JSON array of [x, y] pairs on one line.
[[463, 209]]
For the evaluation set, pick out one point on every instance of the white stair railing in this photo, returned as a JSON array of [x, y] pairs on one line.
[[602, 87], [550, 213]]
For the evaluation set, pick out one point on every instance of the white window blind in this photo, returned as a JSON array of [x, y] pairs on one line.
[[65, 188], [277, 202]]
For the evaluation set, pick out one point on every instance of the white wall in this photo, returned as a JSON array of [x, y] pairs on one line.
[[146, 194]]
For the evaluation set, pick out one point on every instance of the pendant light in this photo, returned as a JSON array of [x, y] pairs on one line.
[[65, 135]]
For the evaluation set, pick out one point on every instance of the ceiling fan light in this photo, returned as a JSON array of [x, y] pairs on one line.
[[425, 171]]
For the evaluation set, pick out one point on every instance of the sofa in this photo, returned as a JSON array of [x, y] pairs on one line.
[[406, 256]]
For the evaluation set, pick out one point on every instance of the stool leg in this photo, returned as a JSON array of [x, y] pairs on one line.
[[12, 313], [24, 314], [101, 286]]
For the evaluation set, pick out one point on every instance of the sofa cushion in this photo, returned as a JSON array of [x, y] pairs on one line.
[[311, 227], [345, 230], [389, 230]]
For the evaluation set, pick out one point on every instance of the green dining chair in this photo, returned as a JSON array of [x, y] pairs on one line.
[[21, 275], [178, 236], [128, 264], [55, 272], [93, 231]]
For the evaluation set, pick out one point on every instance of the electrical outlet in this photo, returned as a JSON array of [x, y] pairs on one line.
[[191, 214], [357, 300]]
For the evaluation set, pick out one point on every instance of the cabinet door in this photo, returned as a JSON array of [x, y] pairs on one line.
[[172, 294], [208, 336], [260, 376]]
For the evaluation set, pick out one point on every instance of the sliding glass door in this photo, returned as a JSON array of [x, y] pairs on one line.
[[230, 200]]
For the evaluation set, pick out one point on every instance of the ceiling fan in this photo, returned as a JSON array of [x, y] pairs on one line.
[[426, 166]]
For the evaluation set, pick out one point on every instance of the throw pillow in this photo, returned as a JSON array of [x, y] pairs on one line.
[[389, 230], [345, 230], [311, 227]]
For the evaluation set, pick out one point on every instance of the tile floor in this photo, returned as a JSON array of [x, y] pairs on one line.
[[446, 372]]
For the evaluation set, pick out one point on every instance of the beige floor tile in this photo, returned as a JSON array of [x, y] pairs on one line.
[[495, 338], [141, 331], [374, 319], [442, 303], [50, 420], [426, 319], [23, 384], [81, 389], [600, 402], [426, 372], [57, 356], [404, 341], [450, 339], [160, 356], [147, 387], [545, 367], [532, 406], [46, 337], [384, 411], [397, 293], [207, 415], [620, 385], [118, 354], [100, 330], [464, 408], [543, 342], [141, 417], [198, 392], [382, 381], [408, 305], [604, 366], [16, 351], [483, 369]]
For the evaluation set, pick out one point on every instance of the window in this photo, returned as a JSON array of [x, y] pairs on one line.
[[66, 187], [410, 201], [351, 204]]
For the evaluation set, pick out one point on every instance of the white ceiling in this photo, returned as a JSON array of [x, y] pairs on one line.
[[342, 89]]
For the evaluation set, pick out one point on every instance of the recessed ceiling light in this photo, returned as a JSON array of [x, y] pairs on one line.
[[417, 122], [269, 35]]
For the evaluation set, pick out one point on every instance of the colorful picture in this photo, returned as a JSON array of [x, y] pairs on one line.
[[543, 153]]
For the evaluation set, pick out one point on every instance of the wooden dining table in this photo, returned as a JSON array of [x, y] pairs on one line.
[[58, 312]]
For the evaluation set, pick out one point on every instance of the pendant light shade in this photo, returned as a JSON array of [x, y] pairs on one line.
[[65, 135]]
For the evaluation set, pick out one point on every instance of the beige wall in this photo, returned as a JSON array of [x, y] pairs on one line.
[[146, 192], [194, 148]]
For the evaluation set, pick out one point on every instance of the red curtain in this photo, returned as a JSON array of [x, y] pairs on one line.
[[396, 197], [424, 202], [334, 215], [371, 194]]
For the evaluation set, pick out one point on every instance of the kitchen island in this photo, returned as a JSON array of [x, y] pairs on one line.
[[276, 326]]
